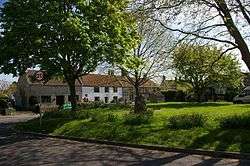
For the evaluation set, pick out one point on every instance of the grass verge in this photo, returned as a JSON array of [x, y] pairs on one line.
[[114, 124]]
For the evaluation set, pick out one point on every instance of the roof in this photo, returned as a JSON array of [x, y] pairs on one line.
[[173, 85], [91, 80]]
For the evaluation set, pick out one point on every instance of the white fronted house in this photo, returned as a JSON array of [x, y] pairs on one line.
[[93, 87]]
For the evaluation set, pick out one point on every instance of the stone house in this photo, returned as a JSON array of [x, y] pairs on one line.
[[93, 87]]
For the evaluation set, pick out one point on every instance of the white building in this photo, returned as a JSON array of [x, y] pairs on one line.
[[93, 87]]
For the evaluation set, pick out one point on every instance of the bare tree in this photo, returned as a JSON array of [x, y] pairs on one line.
[[221, 21], [4, 85], [149, 59]]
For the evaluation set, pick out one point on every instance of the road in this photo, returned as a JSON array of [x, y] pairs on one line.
[[17, 149]]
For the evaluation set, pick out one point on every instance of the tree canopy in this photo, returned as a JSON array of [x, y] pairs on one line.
[[64, 37], [202, 66]]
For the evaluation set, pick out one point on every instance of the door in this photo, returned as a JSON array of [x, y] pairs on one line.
[[60, 100]]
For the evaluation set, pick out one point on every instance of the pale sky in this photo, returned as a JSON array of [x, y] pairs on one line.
[[10, 78]]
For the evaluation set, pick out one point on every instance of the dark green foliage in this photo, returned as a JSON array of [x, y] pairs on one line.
[[94, 104], [236, 122], [65, 38], [186, 121], [177, 96], [3, 102], [100, 104], [134, 119], [111, 118]]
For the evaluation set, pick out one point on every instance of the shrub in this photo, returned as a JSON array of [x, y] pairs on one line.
[[235, 122], [111, 118], [10, 111], [58, 114], [94, 104], [186, 121], [138, 119]]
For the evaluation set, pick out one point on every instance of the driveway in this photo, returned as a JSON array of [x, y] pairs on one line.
[[18, 149]]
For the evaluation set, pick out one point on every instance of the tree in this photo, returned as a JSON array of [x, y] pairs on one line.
[[9, 90], [221, 21], [148, 60], [64, 37], [195, 64]]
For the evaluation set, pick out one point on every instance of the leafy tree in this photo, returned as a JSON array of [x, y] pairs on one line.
[[220, 21], [149, 59], [64, 37], [8, 90], [199, 66]]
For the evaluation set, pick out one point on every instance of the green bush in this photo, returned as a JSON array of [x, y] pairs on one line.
[[138, 119], [236, 122], [92, 105], [111, 118], [186, 121]]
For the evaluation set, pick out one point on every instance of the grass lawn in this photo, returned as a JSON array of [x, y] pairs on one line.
[[108, 124]]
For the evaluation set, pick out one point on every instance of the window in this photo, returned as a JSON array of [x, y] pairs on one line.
[[115, 89], [96, 89], [106, 99], [106, 89], [115, 98], [46, 99], [97, 98]]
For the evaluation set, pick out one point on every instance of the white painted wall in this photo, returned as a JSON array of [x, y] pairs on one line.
[[102, 94]]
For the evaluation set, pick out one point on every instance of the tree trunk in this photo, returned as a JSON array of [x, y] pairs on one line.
[[72, 88], [198, 94], [140, 105], [234, 31]]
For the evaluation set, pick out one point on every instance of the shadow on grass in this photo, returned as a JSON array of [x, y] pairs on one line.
[[186, 105], [48, 125], [224, 140]]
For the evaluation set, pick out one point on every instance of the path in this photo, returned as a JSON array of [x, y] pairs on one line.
[[17, 149]]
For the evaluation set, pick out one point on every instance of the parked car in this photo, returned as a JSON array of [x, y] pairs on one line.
[[243, 97]]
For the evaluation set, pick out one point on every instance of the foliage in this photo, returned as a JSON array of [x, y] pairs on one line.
[[93, 104], [236, 122], [4, 102], [138, 119], [202, 66], [186, 121], [68, 38], [111, 118], [7, 88]]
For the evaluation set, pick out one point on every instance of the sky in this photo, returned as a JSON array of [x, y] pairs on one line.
[[10, 78], [1, 2]]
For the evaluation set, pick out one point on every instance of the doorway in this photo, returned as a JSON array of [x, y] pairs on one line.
[[60, 100]]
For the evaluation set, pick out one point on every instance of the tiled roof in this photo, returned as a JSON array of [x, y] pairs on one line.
[[92, 80]]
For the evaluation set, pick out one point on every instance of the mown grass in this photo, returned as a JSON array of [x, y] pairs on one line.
[[110, 124]]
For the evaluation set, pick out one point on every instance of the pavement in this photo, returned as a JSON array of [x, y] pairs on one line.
[[27, 150]]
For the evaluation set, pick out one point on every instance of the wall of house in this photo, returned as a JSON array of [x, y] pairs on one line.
[[88, 92], [26, 90], [53, 91]]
